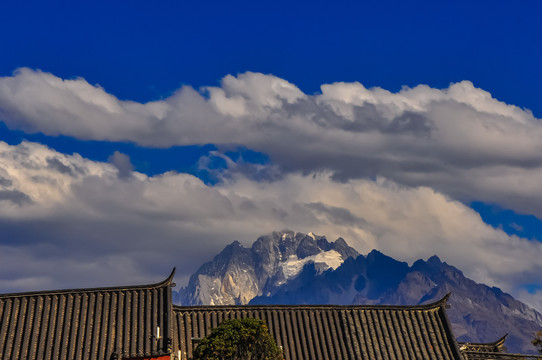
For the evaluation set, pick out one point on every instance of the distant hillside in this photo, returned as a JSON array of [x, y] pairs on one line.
[[296, 268]]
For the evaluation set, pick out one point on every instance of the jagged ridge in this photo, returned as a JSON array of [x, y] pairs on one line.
[[238, 274], [296, 268]]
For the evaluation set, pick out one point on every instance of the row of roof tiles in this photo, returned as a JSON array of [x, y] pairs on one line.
[[122, 322], [333, 332]]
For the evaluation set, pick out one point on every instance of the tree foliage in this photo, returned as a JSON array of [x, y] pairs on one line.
[[239, 339], [537, 342]]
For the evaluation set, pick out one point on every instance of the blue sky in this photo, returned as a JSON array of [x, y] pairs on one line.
[[201, 123]]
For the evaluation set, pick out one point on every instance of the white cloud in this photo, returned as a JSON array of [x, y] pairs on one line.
[[86, 225], [460, 140], [123, 164], [533, 299]]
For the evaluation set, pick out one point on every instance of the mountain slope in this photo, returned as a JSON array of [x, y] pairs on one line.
[[477, 312], [296, 268], [238, 274]]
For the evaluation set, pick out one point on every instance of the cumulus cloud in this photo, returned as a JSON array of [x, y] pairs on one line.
[[459, 141], [122, 163], [383, 170], [533, 298], [88, 227]]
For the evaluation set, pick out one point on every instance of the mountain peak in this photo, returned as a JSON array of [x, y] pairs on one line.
[[344, 249], [375, 253], [377, 256], [235, 243], [234, 247], [434, 260], [271, 261]]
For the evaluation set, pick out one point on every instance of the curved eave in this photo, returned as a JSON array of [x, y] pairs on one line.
[[500, 342], [163, 283], [431, 306], [496, 343]]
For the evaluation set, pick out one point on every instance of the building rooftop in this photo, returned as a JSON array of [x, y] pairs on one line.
[[130, 322], [333, 332], [97, 323]]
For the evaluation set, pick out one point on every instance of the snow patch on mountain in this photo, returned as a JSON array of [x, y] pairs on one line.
[[293, 265], [238, 274]]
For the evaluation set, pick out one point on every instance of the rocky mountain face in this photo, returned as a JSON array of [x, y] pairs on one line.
[[239, 274], [295, 268]]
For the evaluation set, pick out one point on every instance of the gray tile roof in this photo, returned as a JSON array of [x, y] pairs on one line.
[[86, 323], [492, 351], [477, 355], [332, 332], [118, 322]]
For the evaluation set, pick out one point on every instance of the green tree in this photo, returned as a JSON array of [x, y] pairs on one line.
[[537, 342], [239, 339]]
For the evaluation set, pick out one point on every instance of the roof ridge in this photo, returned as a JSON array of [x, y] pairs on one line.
[[157, 285], [431, 306]]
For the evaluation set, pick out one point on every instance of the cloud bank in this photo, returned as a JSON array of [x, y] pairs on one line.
[[459, 141], [70, 222]]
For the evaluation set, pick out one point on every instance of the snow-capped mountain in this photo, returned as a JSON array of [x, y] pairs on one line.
[[296, 268], [238, 274], [477, 312]]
